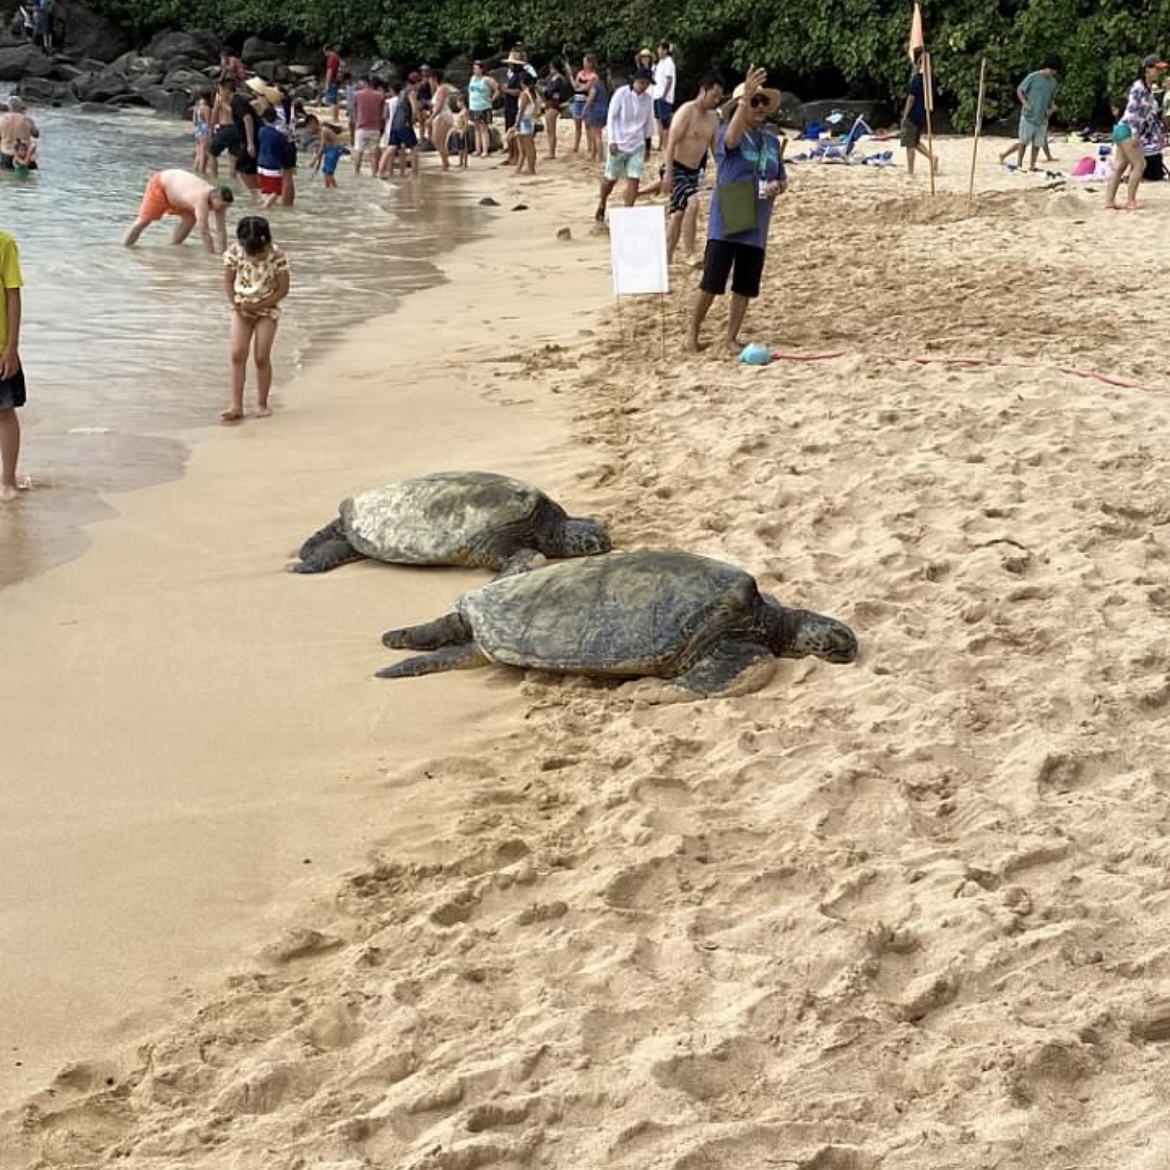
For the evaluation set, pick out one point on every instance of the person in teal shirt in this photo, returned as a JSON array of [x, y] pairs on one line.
[[1037, 94]]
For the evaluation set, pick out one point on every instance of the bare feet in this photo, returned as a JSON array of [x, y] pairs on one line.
[[264, 411], [734, 346], [231, 416], [693, 344], [11, 491]]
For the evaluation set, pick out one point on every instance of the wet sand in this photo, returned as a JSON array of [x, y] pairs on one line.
[[906, 914]]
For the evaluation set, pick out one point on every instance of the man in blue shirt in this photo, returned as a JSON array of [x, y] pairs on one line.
[[914, 115], [750, 174]]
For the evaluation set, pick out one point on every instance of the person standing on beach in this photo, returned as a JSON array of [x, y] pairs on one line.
[[665, 78], [330, 97], [192, 199], [256, 280], [629, 124], [558, 93], [582, 80], [597, 99], [329, 149], [1141, 108], [442, 119], [1037, 93], [526, 127], [201, 129], [368, 108], [690, 142], [512, 89], [12, 393], [401, 136], [914, 116], [481, 93], [750, 176]]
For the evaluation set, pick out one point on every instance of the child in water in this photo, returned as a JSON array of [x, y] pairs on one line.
[[329, 148], [201, 128], [256, 280]]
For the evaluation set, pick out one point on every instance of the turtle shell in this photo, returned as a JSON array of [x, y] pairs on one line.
[[437, 519], [636, 613]]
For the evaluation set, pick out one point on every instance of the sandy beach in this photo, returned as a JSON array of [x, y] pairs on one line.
[[264, 910]]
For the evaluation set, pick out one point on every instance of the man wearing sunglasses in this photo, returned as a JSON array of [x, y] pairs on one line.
[[750, 174]]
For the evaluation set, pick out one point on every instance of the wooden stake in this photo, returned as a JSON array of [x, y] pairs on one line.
[[978, 132], [928, 101]]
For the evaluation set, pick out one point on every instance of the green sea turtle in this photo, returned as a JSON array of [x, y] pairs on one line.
[[451, 518], [671, 615]]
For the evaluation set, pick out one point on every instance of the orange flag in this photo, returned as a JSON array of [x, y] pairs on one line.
[[917, 38]]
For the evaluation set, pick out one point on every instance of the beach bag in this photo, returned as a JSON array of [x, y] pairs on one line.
[[738, 206]]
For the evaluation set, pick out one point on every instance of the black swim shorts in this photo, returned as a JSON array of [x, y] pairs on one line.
[[721, 258], [12, 391], [225, 138]]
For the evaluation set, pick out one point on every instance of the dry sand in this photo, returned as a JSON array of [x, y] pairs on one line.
[[910, 913]]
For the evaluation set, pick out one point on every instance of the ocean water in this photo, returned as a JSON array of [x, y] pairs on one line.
[[126, 349]]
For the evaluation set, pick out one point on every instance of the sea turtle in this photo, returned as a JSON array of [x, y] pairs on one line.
[[673, 615], [451, 518]]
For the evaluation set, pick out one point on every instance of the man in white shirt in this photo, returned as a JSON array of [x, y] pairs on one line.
[[629, 124], [664, 84]]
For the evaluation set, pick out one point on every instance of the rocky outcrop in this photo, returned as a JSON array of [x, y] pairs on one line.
[[257, 49], [83, 33], [23, 61]]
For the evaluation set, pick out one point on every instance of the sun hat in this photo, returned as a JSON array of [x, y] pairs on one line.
[[645, 53], [773, 96], [512, 59], [1153, 61], [16, 104], [268, 92]]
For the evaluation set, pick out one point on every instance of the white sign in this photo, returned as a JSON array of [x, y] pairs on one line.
[[637, 249]]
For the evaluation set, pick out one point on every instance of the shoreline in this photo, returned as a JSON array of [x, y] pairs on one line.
[[174, 566], [130, 416]]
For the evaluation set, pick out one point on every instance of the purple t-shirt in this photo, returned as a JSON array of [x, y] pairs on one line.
[[757, 157]]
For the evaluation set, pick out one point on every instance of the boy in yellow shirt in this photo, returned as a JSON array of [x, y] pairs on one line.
[[11, 375]]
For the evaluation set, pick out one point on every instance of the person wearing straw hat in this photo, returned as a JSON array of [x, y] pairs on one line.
[[749, 175], [512, 88]]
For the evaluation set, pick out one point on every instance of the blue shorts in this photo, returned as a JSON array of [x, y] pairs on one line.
[[579, 106], [330, 98], [663, 111], [329, 160], [406, 138], [1122, 132]]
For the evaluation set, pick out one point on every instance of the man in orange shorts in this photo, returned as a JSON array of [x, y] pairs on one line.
[[189, 197]]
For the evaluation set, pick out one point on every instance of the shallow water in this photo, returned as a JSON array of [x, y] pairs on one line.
[[125, 349]]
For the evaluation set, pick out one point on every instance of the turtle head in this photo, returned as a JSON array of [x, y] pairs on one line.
[[797, 633], [584, 538]]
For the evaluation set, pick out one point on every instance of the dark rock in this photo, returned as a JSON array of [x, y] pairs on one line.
[[23, 61], [458, 72], [175, 103], [257, 49], [43, 91], [96, 108], [130, 62], [102, 88], [274, 71], [388, 71], [127, 99], [186, 80], [65, 72], [87, 33], [789, 112], [520, 207], [200, 45], [488, 201]]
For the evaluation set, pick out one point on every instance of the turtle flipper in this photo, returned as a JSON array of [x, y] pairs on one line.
[[522, 561], [449, 630], [325, 550], [718, 670], [465, 656]]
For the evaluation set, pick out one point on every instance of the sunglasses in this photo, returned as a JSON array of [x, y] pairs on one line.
[[758, 101]]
